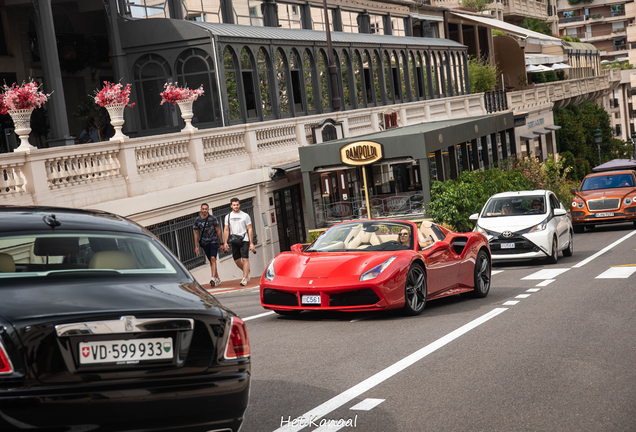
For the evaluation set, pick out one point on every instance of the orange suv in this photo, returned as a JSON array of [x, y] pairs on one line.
[[604, 198]]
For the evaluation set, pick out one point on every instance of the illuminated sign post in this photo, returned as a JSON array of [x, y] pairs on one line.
[[362, 153]]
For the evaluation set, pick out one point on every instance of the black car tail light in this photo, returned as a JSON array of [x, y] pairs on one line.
[[5, 363], [238, 343]]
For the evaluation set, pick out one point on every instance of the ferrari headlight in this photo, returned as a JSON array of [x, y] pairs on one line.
[[377, 270], [270, 274], [539, 227], [628, 201]]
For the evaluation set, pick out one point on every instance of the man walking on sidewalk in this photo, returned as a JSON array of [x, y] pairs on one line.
[[238, 223], [207, 235]]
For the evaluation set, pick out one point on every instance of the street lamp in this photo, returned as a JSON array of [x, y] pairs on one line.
[[598, 138], [634, 142], [332, 67]]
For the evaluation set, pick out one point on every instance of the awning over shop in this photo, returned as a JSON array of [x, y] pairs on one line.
[[290, 170], [427, 17], [553, 127], [542, 131], [415, 141], [529, 35], [529, 136], [542, 59], [579, 46]]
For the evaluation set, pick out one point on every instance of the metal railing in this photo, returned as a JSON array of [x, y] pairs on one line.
[[496, 101], [570, 19]]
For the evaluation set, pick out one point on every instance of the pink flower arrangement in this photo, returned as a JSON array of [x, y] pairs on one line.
[[174, 94], [113, 94], [25, 96]]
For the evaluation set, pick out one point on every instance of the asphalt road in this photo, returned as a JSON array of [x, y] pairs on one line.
[[545, 351]]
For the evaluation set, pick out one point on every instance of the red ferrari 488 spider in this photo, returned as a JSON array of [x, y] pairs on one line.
[[377, 264]]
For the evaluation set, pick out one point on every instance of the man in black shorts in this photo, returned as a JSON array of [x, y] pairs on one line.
[[206, 235], [240, 224]]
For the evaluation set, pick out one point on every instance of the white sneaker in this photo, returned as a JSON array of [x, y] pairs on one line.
[[243, 282], [217, 281]]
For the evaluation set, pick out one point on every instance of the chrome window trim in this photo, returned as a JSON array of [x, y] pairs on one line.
[[126, 324]]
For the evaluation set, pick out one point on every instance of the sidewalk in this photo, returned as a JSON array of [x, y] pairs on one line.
[[232, 285]]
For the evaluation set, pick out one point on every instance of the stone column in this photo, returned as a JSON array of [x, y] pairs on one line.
[[56, 106]]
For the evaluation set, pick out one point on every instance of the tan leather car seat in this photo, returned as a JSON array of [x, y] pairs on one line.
[[425, 235], [115, 260], [364, 240], [7, 264]]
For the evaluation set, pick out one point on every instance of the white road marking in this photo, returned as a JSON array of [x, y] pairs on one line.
[[533, 289], [368, 404], [359, 389], [511, 303], [545, 282], [617, 273], [545, 274], [494, 272], [258, 316], [522, 296], [602, 251]]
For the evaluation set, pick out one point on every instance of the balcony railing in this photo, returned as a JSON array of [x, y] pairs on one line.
[[496, 101], [620, 47], [86, 175], [570, 19]]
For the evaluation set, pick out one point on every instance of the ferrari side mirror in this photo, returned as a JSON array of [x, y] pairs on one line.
[[298, 248]]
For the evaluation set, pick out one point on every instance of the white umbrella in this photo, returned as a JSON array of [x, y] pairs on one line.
[[532, 68], [557, 66], [543, 68]]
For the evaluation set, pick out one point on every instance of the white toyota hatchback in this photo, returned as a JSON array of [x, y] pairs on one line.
[[525, 225]]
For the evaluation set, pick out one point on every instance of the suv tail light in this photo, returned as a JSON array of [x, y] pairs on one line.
[[238, 343], [5, 363]]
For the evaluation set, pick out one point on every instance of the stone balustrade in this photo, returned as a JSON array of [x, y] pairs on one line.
[[87, 175], [527, 8], [562, 93]]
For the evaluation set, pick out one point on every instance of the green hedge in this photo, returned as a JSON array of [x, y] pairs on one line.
[[453, 201]]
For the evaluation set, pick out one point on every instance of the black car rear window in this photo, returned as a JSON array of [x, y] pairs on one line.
[[89, 253]]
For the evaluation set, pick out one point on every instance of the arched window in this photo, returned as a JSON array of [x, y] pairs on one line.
[[281, 79], [422, 89], [377, 67], [344, 70], [415, 94], [308, 67], [324, 81], [388, 77], [369, 81], [231, 83], [264, 79], [404, 76], [295, 70], [248, 74], [195, 67], [435, 74], [150, 73], [359, 78], [441, 74]]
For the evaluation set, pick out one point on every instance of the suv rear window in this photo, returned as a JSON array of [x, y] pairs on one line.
[[93, 254]]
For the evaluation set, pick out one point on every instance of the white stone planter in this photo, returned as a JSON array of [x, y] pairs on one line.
[[186, 114], [116, 113], [22, 122]]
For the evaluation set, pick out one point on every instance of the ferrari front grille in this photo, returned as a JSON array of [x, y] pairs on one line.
[[279, 298], [604, 204], [354, 298]]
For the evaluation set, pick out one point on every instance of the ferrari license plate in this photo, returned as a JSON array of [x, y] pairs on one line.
[[311, 300], [608, 214], [507, 245], [125, 351]]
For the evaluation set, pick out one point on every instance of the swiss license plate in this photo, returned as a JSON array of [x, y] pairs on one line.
[[507, 245], [608, 214], [311, 299], [125, 351]]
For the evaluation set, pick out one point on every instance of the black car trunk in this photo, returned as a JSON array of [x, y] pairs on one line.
[[100, 333]]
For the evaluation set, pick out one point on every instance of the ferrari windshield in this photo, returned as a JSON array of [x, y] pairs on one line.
[[91, 254], [607, 182], [515, 206], [365, 236]]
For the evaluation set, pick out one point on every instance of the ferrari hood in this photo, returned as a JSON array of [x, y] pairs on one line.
[[328, 264], [511, 223]]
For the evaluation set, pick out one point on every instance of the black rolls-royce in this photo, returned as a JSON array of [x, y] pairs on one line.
[[103, 329]]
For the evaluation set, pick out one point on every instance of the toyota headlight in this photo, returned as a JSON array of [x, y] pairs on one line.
[[377, 270], [270, 274], [480, 229], [539, 227]]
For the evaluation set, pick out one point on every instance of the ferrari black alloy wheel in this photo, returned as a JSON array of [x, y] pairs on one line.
[[415, 290]]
